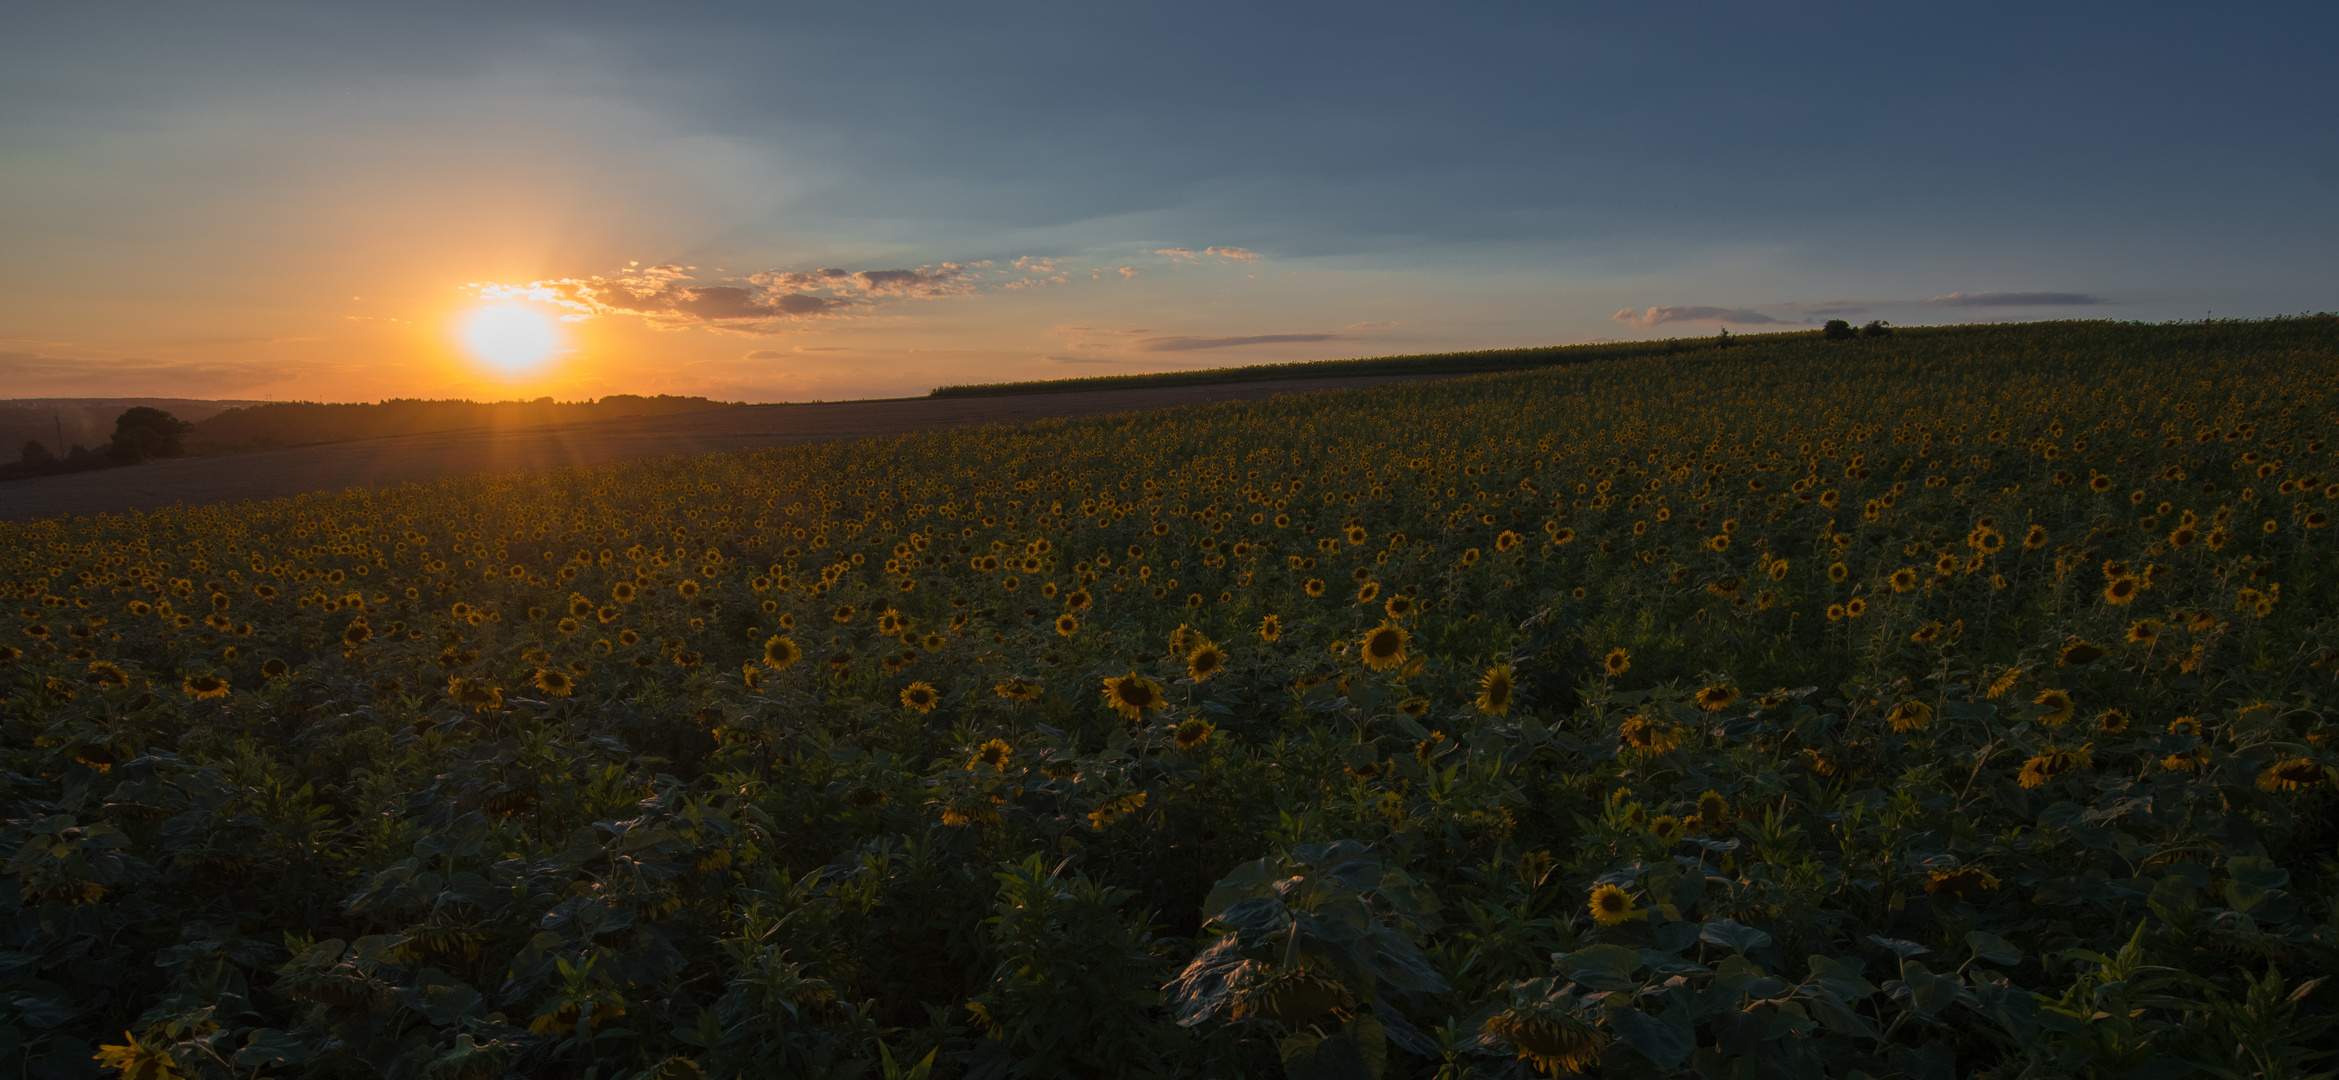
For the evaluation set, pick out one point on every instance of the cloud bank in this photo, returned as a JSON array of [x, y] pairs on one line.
[[1659, 315], [768, 302], [2014, 299]]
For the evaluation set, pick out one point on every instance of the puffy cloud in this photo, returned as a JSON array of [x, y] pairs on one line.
[[1658, 315], [1235, 253], [2015, 299]]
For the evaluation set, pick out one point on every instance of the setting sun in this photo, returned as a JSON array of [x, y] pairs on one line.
[[511, 338]]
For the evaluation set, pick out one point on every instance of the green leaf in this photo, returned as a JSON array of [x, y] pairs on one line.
[[1843, 978], [1663, 1044], [1309, 1056], [1993, 948], [2257, 871], [1602, 967]]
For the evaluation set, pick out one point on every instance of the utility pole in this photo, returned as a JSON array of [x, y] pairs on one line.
[[60, 419]]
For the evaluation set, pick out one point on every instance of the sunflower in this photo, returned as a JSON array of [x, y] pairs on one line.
[[1494, 690], [1855, 607], [1019, 689], [2078, 652], [476, 694], [1067, 625], [1077, 600], [2056, 706], [1270, 628], [623, 592], [1834, 612], [2144, 632], [891, 622], [102, 673], [842, 614], [1717, 697], [2295, 774], [920, 697], [1668, 828], [200, 687], [1313, 587], [1206, 660], [2035, 539], [1612, 906], [356, 634], [688, 589], [2185, 725], [1961, 881], [1713, 811], [995, 753], [1986, 540], [2121, 590], [1910, 716], [1904, 579], [1557, 1043], [1563, 537], [2113, 721], [1191, 734], [1133, 695], [1384, 647], [554, 682], [1618, 662], [2054, 761], [1414, 707], [1368, 592]]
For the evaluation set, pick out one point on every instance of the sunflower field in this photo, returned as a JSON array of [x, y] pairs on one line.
[[1942, 705]]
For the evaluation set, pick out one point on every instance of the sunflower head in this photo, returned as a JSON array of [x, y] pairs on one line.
[[1612, 906], [1192, 733], [1910, 716], [1270, 628], [1067, 624], [1494, 690], [1618, 662], [1716, 698], [1206, 660], [555, 682], [920, 697], [995, 754], [1133, 695], [201, 687], [2296, 774], [2055, 706], [1384, 647]]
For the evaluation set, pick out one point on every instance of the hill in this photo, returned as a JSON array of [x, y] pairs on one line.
[[265, 426], [86, 422]]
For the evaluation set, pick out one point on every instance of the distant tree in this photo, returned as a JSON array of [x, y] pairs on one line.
[[144, 433], [1723, 341], [35, 456], [1876, 328], [1837, 330]]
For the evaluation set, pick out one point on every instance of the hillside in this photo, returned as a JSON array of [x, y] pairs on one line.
[[270, 425]]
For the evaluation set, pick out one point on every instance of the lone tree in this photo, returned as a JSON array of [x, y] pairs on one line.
[[1876, 328], [144, 433], [1837, 330]]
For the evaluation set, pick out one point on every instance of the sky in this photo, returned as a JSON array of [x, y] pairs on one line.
[[788, 202]]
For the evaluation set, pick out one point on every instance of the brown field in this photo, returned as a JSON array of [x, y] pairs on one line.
[[387, 462]]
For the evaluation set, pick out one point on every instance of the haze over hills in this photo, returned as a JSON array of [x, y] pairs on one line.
[[87, 422]]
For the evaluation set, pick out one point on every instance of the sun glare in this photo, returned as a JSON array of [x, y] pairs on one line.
[[511, 338]]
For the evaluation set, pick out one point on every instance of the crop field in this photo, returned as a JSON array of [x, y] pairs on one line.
[[1929, 706]]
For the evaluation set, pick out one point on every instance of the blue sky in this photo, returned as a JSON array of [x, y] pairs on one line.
[[305, 200]]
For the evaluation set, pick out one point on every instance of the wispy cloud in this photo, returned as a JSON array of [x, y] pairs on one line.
[[1176, 254], [2014, 299], [1235, 253], [1659, 315], [1189, 344], [672, 295], [35, 371]]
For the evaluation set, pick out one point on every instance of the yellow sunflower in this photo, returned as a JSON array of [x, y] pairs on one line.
[[1384, 647]]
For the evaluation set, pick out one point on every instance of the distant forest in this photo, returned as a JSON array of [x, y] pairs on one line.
[[296, 423]]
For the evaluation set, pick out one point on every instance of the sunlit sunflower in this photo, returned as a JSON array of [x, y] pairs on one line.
[[1612, 906], [1270, 628], [200, 687], [2122, 590], [1384, 647], [1368, 592], [1717, 697], [622, 592], [2056, 707], [1904, 579], [2296, 774], [1494, 690], [1133, 695], [1855, 607], [554, 682], [2053, 762], [1206, 660], [1067, 625], [1192, 733], [1910, 716], [994, 754], [920, 697], [2144, 631], [1313, 587]]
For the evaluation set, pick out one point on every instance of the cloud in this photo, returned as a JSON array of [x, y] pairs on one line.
[[1080, 359], [765, 354], [1657, 315], [823, 348], [669, 295], [1235, 253], [22, 371], [2015, 299], [1176, 254], [1188, 344]]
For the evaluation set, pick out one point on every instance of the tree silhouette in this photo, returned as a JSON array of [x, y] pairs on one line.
[[1837, 330], [144, 433]]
